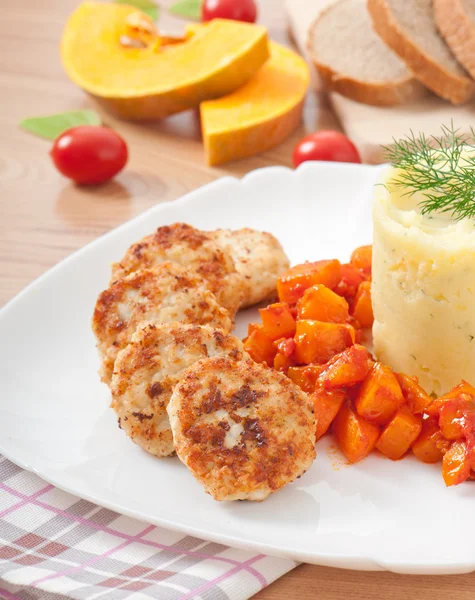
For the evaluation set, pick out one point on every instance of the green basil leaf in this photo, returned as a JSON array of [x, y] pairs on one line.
[[53, 125], [190, 9], [147, 6]]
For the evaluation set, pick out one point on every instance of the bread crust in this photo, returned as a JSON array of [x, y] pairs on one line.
[[368, 92], [458, 30], [446, 84]]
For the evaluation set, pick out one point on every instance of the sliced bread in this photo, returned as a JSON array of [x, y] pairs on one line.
[[352, 60], [409, 29], [456, 22]]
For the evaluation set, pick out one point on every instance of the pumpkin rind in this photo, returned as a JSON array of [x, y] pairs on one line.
[[259, 115]]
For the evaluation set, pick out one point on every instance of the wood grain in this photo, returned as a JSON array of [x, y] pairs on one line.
[[309, 582], [44, 218]]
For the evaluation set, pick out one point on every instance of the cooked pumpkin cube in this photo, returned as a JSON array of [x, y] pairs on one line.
[[285, 346], [380, 395], [457, 417], [455, 412], [277, 321], [362, 307], [327, 404], [305, 377], [362, 258], [351, 330], [283, 362], [355, 436], [456, 464], [321, 304], [293, 283], [417, 398], [398, 435], [431, 445], [347, 368], [462, 388], [351, 278], [252, 327], [353, 322], [260, 346], [360, 333], [317, 342]]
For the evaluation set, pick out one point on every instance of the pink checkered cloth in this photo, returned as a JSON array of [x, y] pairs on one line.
[[55, 546]]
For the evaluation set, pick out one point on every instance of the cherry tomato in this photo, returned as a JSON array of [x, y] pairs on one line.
[[325, 145], [237, 10], [88, 154]]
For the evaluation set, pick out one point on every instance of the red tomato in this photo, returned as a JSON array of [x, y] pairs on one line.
[[88, 154], [325, 145], [237, 10]]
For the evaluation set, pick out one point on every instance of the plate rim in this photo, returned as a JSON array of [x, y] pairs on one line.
[[365, 563]]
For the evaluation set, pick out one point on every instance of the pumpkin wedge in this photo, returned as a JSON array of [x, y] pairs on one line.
[[113, 51], [259, 115]]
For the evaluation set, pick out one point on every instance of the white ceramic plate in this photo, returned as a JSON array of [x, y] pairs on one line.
[[55, 420]]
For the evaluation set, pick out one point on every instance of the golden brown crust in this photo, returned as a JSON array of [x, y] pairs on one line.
[[147, 370], [242, 429], [458, 31], [369, 92], [445, 83], [163, 294], [259, 258], [192, 248]]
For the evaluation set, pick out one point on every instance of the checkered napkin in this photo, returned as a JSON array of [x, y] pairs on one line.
[[54, 546]]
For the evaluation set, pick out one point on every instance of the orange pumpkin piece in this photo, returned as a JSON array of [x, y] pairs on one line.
[[398, 435], [456, 464], [380, 395], [283, 362], [456, 412], [293, 283], [305, 377], [260, 347], [285, 346], [252, 327], [277, 321], [351, 330], [462, 388], [431, 445], [317, 342], [321, 304], [347, 368], [355, 436], [417, 398], [353, 322], [457, 417], [327, 404], [350, 280], [362, 258], [363, 307]]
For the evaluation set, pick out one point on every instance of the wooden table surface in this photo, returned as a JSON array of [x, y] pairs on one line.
[[44, 218]]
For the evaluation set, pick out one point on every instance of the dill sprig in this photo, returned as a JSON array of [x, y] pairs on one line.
[[443, 168]]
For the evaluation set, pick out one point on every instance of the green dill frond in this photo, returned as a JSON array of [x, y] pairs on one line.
[[442, 168]]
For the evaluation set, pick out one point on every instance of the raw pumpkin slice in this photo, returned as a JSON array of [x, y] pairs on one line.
[[259, 115], [137, 77]]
